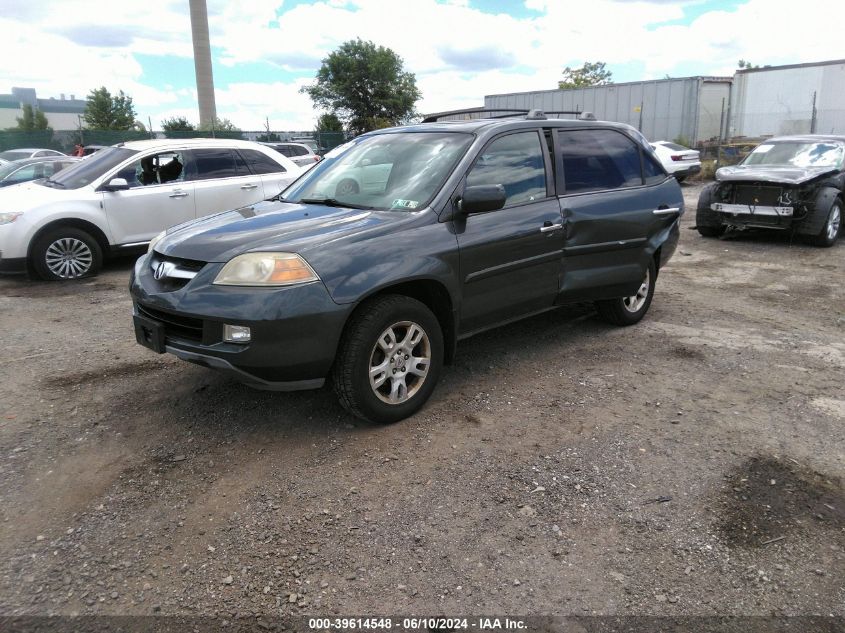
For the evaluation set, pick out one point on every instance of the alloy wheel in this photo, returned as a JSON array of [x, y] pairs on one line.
[[635, 302], [69, 258], [399, 362]]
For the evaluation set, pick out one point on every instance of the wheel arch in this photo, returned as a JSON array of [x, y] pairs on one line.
[[431, 293], [84, 225]]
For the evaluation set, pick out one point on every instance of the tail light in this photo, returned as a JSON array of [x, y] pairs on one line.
[[677, 157]]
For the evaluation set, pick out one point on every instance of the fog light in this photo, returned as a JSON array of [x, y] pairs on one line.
[[236, 333]]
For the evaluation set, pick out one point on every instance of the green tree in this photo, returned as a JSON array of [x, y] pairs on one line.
[[223, 128], [590, 74], [329, 123], [33, 119], [269, 137], [105, 111], [364, 85], [744, 65], [177, 124]]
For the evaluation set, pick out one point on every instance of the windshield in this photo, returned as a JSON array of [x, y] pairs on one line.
[[387, 172], [798, 154], [87, 171], [8, 168], [13, 154]]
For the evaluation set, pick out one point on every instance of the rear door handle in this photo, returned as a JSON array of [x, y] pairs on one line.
[[178, 193], [247, 187], [548, 227], [667, 211]]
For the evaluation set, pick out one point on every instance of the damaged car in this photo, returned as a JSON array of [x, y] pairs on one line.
[[791, 183]]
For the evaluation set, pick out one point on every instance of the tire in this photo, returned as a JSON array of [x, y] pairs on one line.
[[831, 225], [707, 222], [346, 187], [366, 345], [630, 310], [66, 253], [680, 179]]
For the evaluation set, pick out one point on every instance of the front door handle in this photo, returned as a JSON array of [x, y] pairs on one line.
[[178, 193], [248, 187], [548, 227], [667, 211]]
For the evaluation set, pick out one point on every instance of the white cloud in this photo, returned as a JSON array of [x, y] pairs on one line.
[[457, 52]]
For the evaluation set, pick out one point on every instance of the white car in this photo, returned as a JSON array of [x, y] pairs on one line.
[[28, 152], [678, 160], [121, 197]]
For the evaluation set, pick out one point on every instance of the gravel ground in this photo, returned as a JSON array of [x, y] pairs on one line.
[[690, 465]]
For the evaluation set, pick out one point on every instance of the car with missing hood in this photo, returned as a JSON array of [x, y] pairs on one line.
[[466, 225], [791, 183]]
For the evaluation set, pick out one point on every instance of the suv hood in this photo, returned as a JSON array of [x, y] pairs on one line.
[[29, 195], [771, 173], [271, 226]]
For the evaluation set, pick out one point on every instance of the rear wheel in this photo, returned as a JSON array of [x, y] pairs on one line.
[[346, 187], [389, 359], [66, 253], [630, 310]]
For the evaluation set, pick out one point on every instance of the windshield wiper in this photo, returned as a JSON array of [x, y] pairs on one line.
[[52, 183], [332, 202]]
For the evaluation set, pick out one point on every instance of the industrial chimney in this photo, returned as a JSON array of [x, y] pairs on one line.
[[202, 62]]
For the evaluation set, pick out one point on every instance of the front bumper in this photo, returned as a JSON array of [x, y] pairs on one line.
[[762, 216], [295, 330]]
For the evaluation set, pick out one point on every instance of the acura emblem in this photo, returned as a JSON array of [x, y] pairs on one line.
[[162, 270]]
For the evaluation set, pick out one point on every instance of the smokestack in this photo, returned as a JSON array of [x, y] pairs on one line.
[[202, 62]]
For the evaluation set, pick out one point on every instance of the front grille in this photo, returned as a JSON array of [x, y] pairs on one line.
[[177, 272], [757, 195], [174, 325]]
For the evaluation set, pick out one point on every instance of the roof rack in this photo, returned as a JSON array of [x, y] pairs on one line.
[[497, 113]]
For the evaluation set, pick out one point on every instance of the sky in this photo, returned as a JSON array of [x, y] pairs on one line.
[[264, 51]]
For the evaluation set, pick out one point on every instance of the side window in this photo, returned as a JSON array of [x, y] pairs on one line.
[[594, 160], [215, 163], [155, 169], [260, 163], [516, 162], [300, 151], [652, 170]]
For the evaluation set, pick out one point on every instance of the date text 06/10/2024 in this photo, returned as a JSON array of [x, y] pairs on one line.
[[417, 624]]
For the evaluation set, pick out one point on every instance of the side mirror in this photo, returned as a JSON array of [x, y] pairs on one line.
[[482, 199], [116, 184]]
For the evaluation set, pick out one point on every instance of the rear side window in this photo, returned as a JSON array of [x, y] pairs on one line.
[[595, 160], [300, 151], [217, 163], [260, 163], [516, 162], [652, 170]]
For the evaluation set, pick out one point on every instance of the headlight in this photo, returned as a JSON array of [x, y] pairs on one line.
[[155, 240], [8, 218], [266, 269]]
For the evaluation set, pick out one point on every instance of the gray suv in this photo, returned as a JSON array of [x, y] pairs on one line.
[[450, 229]]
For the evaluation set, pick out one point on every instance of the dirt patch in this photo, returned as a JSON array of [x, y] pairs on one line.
[[767, 500], [115, 372]]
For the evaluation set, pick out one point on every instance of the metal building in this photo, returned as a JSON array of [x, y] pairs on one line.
[[694, 108], [794, 99]]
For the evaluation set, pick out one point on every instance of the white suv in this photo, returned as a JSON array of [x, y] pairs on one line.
[[119, 198]]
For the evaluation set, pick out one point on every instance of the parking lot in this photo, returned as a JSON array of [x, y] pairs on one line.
[[691, 464]]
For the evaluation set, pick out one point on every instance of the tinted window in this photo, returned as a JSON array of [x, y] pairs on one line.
[[300, 151], [594, 160], [215, 163], [261, 163], [516, 162], [652, 170]]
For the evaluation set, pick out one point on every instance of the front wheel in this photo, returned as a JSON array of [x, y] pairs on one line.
[[630, 310], [389, 360], [66, 253], [833, 225]]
